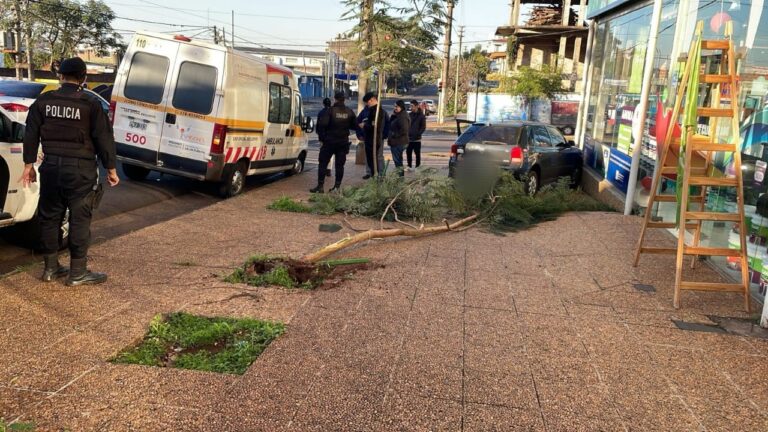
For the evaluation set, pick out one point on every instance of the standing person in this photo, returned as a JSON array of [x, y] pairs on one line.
[[361, 138], [335, 123], [400, 125], [320, 133], [73, 130], [373, 132], [418, 126]]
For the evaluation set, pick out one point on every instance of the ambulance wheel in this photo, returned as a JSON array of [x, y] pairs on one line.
[[134, 172], [298, 166], [234, 182]]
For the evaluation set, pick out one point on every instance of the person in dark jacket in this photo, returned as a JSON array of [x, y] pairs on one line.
[[333, 127], [373, 134], [74, 131], [326, 107], [418, 126], [400, 125]]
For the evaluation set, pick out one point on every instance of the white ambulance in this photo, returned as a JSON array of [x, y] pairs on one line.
[[206, 112]]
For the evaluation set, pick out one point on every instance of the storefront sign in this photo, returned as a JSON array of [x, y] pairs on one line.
[[619, 165]]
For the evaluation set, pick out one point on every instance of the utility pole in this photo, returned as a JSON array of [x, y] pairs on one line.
[[458, 66], [446, 62], [233, 29], [17, 39], [215, 35], [367, 39], [28, 39]]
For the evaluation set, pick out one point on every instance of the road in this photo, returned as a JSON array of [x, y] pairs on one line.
[[135, 205]]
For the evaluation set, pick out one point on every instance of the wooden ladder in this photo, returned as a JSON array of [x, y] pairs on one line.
[[697, 167]]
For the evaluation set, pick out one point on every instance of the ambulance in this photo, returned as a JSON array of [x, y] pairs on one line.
[[205, 112]]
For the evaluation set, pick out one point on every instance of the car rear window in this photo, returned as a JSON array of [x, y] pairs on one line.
[[195, 88], [479, 132], [146, 78], [21, 89]]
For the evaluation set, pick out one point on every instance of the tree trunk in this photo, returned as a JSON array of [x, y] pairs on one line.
[[384, 233]]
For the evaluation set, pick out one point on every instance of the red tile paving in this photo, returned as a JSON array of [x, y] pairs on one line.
[[535, 331]]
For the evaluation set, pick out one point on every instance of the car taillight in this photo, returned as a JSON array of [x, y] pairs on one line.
[[219, 136], [516, 155], [14, 107], [111, 114], [454, 150]]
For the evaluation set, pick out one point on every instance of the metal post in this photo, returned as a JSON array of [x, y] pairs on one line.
[[458, 66], [446, 62], [477, 95], [233, 29], [17, 40], [584, 105], [645, 92]]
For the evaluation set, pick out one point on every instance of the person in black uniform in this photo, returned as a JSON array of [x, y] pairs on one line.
[[333, 129], [73, 130], [326, 107]]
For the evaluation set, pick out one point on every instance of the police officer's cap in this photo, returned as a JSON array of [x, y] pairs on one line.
[[339, 96], [368, 96], [72, 66]]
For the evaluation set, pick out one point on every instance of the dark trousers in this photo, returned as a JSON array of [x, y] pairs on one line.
[[397, 158], [327, 151], [66, 183], [414, 147]]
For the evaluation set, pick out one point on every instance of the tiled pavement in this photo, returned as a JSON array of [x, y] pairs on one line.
[[535, 331]]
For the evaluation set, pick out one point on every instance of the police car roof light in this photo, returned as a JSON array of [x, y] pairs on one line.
[[182, 38]]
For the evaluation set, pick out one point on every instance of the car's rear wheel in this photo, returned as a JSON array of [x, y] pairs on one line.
[[532, 183], [234, 182], [135, 172]]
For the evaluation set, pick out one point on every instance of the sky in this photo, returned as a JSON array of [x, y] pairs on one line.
[[294, 24]]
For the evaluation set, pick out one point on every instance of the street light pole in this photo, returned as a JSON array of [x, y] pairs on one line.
[[446, 62], [458, 66]]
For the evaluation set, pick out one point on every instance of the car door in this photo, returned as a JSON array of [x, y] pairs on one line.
[[189, 121], [564, 157], [139, 112], [540, 144], [279, 128]]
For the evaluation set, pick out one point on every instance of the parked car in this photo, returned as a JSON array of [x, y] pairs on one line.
[[428, 105], [16, 97], [535, 153]]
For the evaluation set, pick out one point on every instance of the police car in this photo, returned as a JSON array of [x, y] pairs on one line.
[[18, 205]]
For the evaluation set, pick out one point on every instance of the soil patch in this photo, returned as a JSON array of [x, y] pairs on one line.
[[185, 341], [290, 273]]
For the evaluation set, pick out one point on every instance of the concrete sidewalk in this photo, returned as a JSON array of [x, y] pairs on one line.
[[541, 330]]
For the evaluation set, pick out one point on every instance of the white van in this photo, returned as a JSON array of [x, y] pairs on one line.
[[206, 112]]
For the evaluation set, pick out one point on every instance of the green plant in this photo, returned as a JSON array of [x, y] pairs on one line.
[[16, 427], [186, 341], [287, 204]]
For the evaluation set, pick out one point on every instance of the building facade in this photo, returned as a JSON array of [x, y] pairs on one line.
[[635, 49]]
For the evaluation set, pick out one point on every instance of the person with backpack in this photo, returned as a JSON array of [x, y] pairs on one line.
[[333, 129], [417, 128]]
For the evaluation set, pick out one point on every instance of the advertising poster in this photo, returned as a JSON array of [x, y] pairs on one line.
[[496, 107], [624, 140], [618, 169], [638, 60]]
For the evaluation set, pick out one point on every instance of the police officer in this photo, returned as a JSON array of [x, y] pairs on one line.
[[73, 130], [326, 107], [333, 129]]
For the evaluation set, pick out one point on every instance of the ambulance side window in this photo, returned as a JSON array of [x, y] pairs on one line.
[[285, 104], [195, 88], [274, 103], [279, 104], [146, 78], [298, 115]]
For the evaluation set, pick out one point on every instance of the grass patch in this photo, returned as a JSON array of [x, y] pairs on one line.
[[287, 204], [185, 341], [16, 427], [265, 270]]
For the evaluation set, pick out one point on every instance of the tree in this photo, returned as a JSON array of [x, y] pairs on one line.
[[533, 84], [474, 65]]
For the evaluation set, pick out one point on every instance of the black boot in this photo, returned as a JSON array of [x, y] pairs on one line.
[[317, 189], [335, 188], [53, 270], [79, 274]]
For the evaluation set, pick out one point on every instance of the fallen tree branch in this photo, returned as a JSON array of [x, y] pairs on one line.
[[394, 199], [384, 233], [397, 219]]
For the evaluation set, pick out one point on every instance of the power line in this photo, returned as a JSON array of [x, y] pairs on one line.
[[300, 18]]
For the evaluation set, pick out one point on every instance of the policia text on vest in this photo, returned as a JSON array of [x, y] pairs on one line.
[[74, 131]]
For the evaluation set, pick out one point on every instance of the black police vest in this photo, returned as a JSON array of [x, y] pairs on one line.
[[342, 119], [66, 126]]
